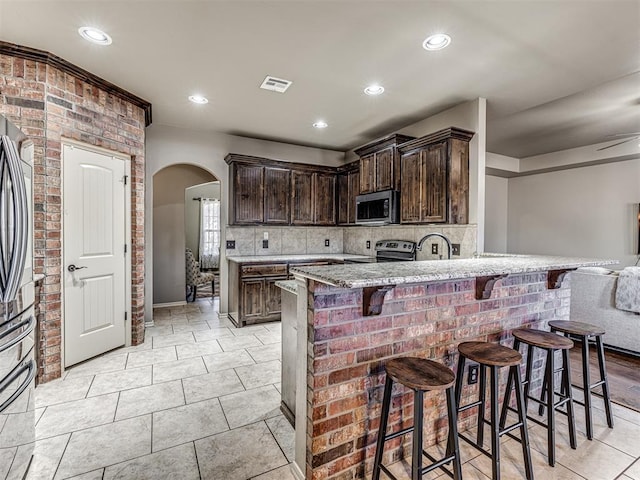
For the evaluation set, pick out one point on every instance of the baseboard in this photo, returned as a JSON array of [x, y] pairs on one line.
[[297, 473], [623, 351], [223, 316], [170, 304]]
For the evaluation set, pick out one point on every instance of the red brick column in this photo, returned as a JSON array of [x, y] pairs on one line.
[[347, 354], [49, 105]]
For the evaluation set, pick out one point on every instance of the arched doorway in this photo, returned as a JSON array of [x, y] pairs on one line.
[[169, 235]]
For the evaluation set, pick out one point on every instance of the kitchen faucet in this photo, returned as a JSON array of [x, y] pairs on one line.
[[419, 247]]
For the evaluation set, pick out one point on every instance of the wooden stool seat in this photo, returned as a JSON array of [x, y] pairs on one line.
[[539, 338], [491, 354], [576, 328], [420, 374]]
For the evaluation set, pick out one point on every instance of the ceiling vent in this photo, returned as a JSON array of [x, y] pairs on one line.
[[275, 84]]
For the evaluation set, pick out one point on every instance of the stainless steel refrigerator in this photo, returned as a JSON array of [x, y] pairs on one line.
[[17, 320]]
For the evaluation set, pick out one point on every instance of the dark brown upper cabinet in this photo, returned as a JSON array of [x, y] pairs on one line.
[[435, 178], [272, 192], [380, 164], [348, 189]]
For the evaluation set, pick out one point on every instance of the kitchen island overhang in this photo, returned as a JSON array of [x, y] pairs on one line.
[[353, 318]]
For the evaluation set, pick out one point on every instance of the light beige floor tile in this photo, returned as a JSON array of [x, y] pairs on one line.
[[221, 322], [512, 464], [94, 475], [634, 471], [274, 326], [198, 349], [211, 385], [96, 447], [266, 352], [107, 363], [226, 360], [149, 357], [76, 415], [281, 473], [191, 327], [238, 343], [251, 406], [269, 338], [175, 339], [46, 457], [284, 434], [212, 334], [625, 477], [266, 373], [117, 381], [174, 463], [158, 330], [60, 391], [250, 330], [220, 457], [6, 458], [187, 423], [165, 372], [140, 401]]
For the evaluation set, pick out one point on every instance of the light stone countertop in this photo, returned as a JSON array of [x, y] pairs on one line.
[[290, 286], [397, 273], [296, 258]]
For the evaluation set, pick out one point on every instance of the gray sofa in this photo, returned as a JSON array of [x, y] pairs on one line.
[[593, 301]]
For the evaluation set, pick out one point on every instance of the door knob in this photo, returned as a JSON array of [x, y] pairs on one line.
[[72, 268]]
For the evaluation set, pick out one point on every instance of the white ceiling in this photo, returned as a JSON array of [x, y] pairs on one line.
[[556, 74]]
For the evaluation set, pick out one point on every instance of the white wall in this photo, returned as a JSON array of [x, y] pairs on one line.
[[496, 202], [587, 211], [170, 145]]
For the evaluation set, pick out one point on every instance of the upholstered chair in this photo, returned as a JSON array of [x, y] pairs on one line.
[[194, 277]]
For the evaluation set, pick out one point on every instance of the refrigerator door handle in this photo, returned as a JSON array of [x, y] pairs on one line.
[[21, 222], [30, 324], [29, 366]]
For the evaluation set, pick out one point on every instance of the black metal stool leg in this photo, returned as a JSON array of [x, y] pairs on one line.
[[586, 383], [522, 418], [545, 387], [482, 390], [506, 400], [605, 384], [382, 431], [453, 447], [459, 375], [566, 382], [527, 375], [495, 425], [416, 456], [551, 421]]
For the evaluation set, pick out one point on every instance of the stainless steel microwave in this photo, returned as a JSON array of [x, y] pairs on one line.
[[379, 208]]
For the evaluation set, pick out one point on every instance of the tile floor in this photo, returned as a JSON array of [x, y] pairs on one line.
[[200, 400]]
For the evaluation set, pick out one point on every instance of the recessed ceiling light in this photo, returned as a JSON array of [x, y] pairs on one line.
[[374, 90], [94, 35], [320, 124], [436, 42], [198, 99]]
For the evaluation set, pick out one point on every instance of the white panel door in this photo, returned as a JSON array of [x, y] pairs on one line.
[[94, 253]]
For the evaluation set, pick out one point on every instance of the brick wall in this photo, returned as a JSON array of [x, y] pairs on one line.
[[347, 353], [49, 105]]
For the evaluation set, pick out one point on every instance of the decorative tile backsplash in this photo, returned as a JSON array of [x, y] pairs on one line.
[[306, 240]]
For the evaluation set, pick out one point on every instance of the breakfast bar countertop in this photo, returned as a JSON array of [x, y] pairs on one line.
[[397, 273]]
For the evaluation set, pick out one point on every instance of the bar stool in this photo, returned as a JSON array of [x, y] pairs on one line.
[[421, 376], [583, 331], [494, 356], [550, 342]]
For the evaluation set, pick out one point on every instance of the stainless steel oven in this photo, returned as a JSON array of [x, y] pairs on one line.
[[390, 251]]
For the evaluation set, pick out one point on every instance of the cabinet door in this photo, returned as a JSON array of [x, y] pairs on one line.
[[354, 190], [248, 206], [277, 195], [344, 198], [435, 179], [384, 170], [367, 174], [272, 296], [411, 188], [301, 198], [325, 198], [252, 299]]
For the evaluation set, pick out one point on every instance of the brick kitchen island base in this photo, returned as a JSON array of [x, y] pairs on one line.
[[346, 352]]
